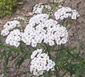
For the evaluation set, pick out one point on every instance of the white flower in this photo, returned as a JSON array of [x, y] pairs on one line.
[[13, 38], [43, 30], [12, 24], [9, 26], [74, 14], [51, 43], [40, 62], [4, 32], [64, 40], [38, 8], [66, 12], [35, 53], [37, 19], [20, 18]]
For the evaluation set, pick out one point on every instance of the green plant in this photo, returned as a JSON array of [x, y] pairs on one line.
[[66, 59], [6, 7]]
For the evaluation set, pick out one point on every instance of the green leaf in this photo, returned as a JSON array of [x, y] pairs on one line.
[[80, 44], [5, 65], [47, 74]]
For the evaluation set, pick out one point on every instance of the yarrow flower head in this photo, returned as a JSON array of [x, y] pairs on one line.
[[40, 63], [39, 29], [44, 30], [12, 24], [55, 33], [37, 19], [13, 38], [9, 26], [38, 8], [66, 12], [5, 32]]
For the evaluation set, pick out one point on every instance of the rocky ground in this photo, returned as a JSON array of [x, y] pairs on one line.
[[75, 33]]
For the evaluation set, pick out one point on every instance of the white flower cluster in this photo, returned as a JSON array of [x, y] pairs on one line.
[[40, 63], [44, 30], [39, 18], [54, 33], [38, 8], [31, 36], [13, 38], [66, 12], [40, 29], [9, 26]]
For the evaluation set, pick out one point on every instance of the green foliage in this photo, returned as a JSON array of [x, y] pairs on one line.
[[6, 7], [16, 55], [67, 59]]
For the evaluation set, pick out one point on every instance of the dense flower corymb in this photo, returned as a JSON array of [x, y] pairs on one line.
[[40, 29], [40, 63], [38, 8], [9, 26], [44, 30], [13, 38], [66, 12]]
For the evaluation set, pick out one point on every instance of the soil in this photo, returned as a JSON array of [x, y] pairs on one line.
[[75, 33]]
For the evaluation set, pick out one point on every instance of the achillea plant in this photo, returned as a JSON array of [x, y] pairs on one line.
[[41, 37]]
